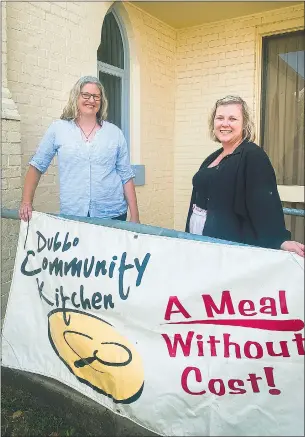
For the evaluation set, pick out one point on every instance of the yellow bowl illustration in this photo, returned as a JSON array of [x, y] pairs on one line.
[[97, 354]]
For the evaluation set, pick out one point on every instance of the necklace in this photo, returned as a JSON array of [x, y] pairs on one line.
[[86, 136]]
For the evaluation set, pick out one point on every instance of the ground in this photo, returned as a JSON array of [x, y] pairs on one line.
[[24, 415], [36, 406]]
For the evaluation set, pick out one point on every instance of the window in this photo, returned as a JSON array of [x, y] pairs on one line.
[[112, 61], [282, 117], [282, 121]]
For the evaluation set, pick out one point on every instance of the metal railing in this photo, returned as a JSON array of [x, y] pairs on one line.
[[294, 211], [145, 229], [129, 226]]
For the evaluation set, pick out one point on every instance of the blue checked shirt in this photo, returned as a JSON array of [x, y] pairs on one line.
[[91, 174]]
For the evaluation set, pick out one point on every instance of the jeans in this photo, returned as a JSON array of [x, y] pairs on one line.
[[120, 217]]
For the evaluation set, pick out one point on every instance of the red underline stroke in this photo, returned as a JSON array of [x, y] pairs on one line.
[[269, 325]]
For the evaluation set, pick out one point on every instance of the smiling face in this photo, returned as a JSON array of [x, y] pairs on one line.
[[228, 124], [92, 105]]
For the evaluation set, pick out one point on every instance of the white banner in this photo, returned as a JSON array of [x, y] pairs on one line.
[[183, 337]]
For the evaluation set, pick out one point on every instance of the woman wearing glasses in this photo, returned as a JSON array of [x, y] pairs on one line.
[[95, 175]]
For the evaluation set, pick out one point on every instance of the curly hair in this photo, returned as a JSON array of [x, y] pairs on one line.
[[70, 111], [248, 125]]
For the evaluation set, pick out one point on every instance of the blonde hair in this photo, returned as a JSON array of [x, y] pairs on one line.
[[70, 111], [248, 125]]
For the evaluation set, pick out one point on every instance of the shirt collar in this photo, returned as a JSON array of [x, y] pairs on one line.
[[238, 148]]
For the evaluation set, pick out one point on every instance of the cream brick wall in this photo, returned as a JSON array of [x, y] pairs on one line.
[[10, 193], [10, 174], [212, 61], [52, 44], [156, 48]]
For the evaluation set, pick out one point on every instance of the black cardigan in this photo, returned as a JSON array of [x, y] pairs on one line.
[[256, 200]]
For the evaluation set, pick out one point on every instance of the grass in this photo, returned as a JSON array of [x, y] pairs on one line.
[[30, 409], [23, 414]]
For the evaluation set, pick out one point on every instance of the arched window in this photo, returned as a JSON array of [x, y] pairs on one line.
[[113, 71]]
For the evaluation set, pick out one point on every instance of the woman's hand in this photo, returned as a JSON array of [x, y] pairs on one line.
[[25, 211], [293, 246], [134, 219]]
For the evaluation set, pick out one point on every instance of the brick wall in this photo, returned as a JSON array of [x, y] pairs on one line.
[[10, 174], [156, 50], [212, 61], [11, 194]]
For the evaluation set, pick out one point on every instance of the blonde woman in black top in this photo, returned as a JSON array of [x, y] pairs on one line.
[[235, 196]]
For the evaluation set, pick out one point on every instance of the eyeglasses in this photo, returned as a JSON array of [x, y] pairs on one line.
[[87, 96]]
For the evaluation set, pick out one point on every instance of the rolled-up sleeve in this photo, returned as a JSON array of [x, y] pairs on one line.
[[45, 151], [123, 166]]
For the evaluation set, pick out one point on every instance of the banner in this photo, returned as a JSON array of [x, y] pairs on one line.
[[183, 337]]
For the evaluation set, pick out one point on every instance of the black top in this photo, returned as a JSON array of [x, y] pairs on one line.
[[241, 197]]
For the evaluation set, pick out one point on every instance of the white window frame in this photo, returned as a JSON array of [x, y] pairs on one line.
[[123, 74]]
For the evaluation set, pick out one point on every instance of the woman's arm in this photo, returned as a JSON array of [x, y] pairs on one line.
[[126, 174], [38, 165], [131, 198], [30, 184], [264, 205]]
